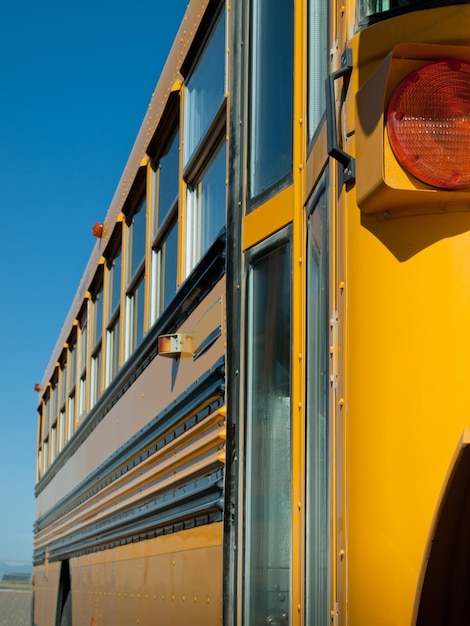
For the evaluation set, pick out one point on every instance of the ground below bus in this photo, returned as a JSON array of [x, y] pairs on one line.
[[15, 608]]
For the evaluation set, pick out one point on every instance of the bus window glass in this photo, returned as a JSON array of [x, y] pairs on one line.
[[98, 315], [137, 239], [95, 377], [165, 226], [270, 94], [317, 62], [62, 430], [139, 312], [72, 362], [115, 281], [71, 384], [135, 311], [317, 540], [39, 465], [112, 347], [164, 269], [45, 414], [53, 443], [71, 416], [169, 260], [83, 342], [62, 383], [53, 403], [134, 322], [45, 456], [373, 10], [82, 397], [205, 90], [62, 393], [268, 441], [97, 330], [206, 208], [167, 187], [211, 199], [113, 315]]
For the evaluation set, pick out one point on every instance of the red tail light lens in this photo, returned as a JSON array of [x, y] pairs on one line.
[[428, 124]]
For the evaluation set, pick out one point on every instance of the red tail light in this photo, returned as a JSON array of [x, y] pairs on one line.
[[428, 124]]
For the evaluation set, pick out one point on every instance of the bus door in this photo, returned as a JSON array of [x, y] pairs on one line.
[[319, 572], [268, 434]]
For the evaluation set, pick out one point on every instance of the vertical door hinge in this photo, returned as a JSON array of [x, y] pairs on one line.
[[334, 615]]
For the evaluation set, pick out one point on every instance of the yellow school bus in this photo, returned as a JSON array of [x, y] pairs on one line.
[[257, 411]]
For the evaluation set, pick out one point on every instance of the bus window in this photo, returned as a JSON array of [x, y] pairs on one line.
[[45, 421], [205, 91], [164, 258], [114, 273], [168, 168], [96, 344], [82, 397], [54, 409], [268, 440], [317, 62], [271, 94], [204, 147], [135, 284], [206, 207], [62, 400], [373, 10], [317, 428]]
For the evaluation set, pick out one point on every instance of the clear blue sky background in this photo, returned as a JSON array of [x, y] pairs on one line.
[[76, 79]]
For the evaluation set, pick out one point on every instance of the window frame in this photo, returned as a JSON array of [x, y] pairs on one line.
[[83, 354], [318, 432], [135, 273], [72, 372], [189, 69], [281, 239], [317, 66], [62, 399], [158, 260], [195, 246], [54, 415], [96, 309], [113, 280], [169, 136], [258, 192], [363, 20], [214, 138]]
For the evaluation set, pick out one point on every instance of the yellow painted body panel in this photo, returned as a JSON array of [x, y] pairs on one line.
[[404, 349], [134, 583], [406, 353], [46, 583]]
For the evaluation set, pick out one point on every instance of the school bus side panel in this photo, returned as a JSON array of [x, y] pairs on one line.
[[160, 577]]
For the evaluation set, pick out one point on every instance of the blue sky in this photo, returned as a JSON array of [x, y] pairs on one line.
[[76, 79]]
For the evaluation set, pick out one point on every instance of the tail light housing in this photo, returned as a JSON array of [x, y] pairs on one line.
[[413, 132]]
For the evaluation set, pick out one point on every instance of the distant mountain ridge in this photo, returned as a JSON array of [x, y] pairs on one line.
[[15, 568]]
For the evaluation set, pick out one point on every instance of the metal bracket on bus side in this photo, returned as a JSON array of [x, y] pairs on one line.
[[334, 149]]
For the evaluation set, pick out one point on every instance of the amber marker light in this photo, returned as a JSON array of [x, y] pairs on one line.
[[98, 230], [428, 124]]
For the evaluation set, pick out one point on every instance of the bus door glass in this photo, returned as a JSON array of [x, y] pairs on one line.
[[317, 427], [268, 436]]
